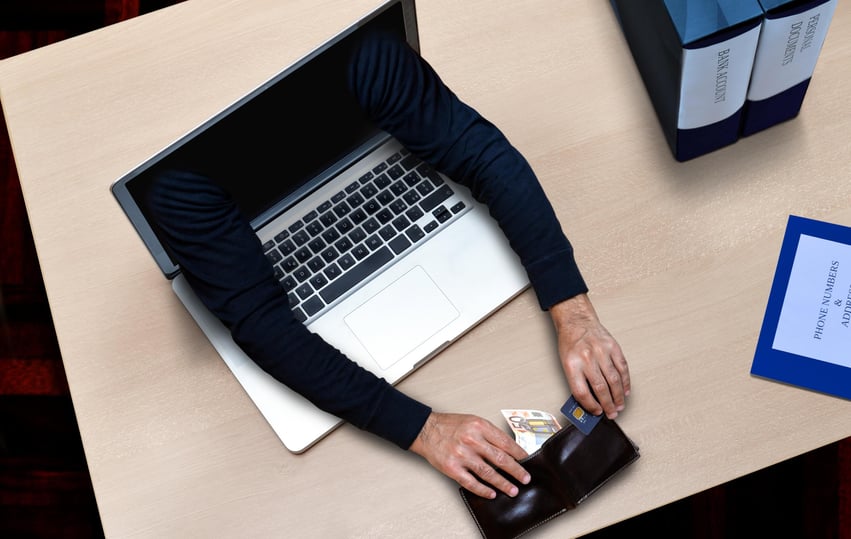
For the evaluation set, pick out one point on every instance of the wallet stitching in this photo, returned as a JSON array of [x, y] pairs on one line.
[[527, 530], [470, 509]]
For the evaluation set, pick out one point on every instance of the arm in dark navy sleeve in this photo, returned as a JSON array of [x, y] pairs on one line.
[[223, 261], [406, 98]]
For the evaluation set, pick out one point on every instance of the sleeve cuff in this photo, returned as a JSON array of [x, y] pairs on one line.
[[398, 418], [556, 278]]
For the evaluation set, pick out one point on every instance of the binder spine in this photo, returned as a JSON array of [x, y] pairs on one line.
[[713, 88], [786, 57]]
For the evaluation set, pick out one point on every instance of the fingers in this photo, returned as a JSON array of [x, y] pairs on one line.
[[598, 376], [471, 450], [593, 361]]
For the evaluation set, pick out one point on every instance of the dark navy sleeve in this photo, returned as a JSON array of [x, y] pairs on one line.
[[406, 98], [223, 261]]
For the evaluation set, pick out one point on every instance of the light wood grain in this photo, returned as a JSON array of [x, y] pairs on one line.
[[679, 257]]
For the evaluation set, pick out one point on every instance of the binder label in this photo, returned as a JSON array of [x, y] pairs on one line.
[[788, 50], [715, 80]]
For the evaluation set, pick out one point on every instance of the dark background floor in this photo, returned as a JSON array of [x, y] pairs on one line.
[[45, 490]]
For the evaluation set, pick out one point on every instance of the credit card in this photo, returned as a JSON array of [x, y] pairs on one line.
[[577, 415]]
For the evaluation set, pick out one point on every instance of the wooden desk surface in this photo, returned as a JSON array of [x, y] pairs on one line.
[[680, 259]]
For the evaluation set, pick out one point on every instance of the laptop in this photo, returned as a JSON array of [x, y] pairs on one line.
[[385, 258]]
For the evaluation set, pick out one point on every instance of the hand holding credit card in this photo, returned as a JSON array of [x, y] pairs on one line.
[[577, 415]]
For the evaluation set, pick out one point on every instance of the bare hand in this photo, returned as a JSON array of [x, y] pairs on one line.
[[592, 360], [467, 449]]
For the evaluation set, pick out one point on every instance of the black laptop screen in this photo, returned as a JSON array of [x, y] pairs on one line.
[[278, 140]]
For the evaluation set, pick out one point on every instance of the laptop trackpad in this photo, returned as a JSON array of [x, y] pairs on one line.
[[401, 317]]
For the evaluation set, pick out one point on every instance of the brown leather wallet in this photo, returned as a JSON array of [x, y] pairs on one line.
[[565, 470]]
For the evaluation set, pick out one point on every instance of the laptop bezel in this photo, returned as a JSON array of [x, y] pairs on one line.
[[120, 188]]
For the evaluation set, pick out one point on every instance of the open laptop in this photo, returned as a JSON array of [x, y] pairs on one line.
[[380, 254]]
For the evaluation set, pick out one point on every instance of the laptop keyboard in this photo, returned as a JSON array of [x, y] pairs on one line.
[[358, 231]]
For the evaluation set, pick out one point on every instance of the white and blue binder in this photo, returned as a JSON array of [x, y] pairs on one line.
[[793, 32], [695, 57]]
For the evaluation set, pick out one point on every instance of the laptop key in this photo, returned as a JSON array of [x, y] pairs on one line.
[[360, 251], [332, 272], [395, 172], [331, 235], [442, 214], [401, 223], [387, 232], [414, 213], [325, 206], [373, 242], [303, 255], [393, 158], [293, 300], [352, 187], [344, 226], [346, 262], [398, 206], [287, 247], [410, 162], [358, 216], [398, 188], [425, 188], [304, 291], [415, 233], [310, 216], [295, 226], [289, 283], [281, 236], [330, 254], [316, 245], [412, 178], [384, 216], [316, 263], [366, 177], [301, 274], [318, 281], [411, 197], [457, 207], [371, 225], [314, 228], [338, 197], [382, 181], [431, 202], [368, 191], [355, 200], [289, 264], [356, 274], [357, 235], [312, 305], [274, 256], [299, 315], [342, 209], [399, 244], [301, 237], [268, 245], [385, 197], [328, 218], [343, 245], [430, 226], [371, 206], [381, 167]]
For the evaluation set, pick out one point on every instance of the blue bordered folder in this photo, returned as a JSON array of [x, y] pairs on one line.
[[805, 338]]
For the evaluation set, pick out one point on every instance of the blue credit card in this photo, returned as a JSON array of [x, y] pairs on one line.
[[577, 415]]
